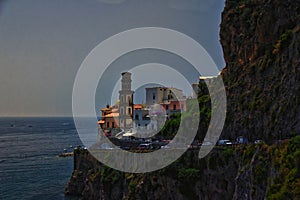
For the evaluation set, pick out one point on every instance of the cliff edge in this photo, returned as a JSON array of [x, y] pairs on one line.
[[245, 172], [261, 45]]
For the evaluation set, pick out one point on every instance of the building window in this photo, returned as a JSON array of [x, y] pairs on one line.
[[122, 98], [129, 111], [107, 125], [167, 107], [153, 96], [122, 111], [113, 125], [174, 107], [136, 117], [128, 99]]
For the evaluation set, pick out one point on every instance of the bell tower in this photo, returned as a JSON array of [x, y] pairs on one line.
[[126, 102]]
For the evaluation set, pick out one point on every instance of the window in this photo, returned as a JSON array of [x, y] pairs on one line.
[[167, 107], [174, 107], [136, 117], [122, 98], [128, 99], [107, 125], [129, 111], [113, 125], [153, 96], [122, 111]]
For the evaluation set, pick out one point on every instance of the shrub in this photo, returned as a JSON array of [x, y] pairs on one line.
[[188, 173]]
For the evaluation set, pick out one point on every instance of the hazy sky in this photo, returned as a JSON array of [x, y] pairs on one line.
[[44, 42]]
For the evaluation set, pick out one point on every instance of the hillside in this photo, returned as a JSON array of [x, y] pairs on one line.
[[255, 171], [261, 45]]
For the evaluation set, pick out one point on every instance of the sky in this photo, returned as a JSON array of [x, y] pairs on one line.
[[44, 42]]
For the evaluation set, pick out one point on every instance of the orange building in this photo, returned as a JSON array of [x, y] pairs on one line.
[[110, 118]]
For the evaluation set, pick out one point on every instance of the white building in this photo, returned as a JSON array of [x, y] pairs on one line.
[[126, 102]]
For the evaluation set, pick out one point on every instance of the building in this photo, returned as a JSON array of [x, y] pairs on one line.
[[202, 80], [109, 118], [158, 95], [126, 102], [141, 118], [161, 102], [172, 100]]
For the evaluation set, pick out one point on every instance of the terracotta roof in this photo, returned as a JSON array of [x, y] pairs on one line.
[[112, 115], [137, 106], [105, 108]]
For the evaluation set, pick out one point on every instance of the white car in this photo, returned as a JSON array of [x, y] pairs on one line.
[[258, 141], [224, 142], [207, 143], [106, 146]]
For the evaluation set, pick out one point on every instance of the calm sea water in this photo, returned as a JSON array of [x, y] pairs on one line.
[[29, 164]]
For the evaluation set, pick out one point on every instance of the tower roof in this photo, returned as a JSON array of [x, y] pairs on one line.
[[123, 73]]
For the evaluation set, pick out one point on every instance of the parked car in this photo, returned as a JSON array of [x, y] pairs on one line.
[[258, 141], [207, 143], [165, 147], [144, 146], [106, 146], [224, 142], [242, 140], [125, 147]]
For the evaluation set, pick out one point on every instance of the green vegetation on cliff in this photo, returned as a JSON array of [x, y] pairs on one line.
[[286, 185], [260, 41], [257, 171]]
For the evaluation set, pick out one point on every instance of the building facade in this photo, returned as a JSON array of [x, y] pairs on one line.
[[161, 103], [109, 118], [126, 102], [172, 100]]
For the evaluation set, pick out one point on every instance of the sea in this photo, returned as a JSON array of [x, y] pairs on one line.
[[30, 167]]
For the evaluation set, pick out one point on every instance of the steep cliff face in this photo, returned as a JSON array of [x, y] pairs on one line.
[[261, 45], [187, 178], [246, 172]]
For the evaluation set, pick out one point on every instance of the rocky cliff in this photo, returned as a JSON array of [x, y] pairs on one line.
[[261, 45], [244, 172]]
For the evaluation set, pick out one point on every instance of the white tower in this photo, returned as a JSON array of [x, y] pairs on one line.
[[126, 102]]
